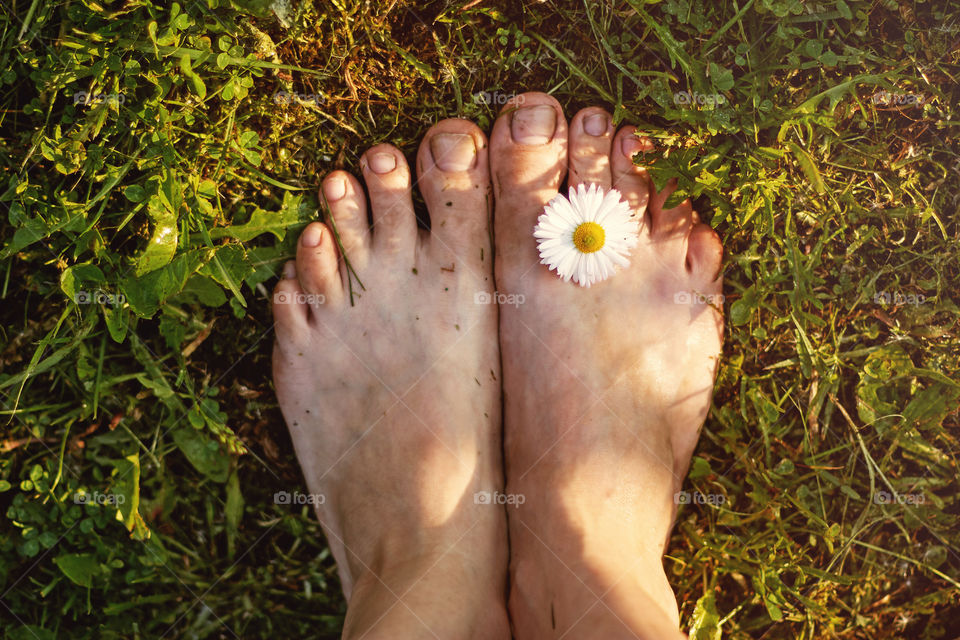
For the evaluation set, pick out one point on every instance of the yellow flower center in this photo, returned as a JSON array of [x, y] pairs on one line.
[[588, 237]]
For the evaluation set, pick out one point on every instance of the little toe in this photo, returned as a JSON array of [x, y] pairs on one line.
[[704, 253], [317, 268], [387, 176], [348, 217], [674, 221], [591, 136]]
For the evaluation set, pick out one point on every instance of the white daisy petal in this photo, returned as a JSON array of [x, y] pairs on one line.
[[598, 255], [594, 203]]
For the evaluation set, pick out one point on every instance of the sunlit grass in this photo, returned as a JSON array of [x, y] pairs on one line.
[[159, 162]]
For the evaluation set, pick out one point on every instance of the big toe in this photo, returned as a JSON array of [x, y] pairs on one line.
[[454, 179], [528, 161]]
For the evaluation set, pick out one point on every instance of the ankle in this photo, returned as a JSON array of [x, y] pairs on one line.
[[399, 598], [594, 601]]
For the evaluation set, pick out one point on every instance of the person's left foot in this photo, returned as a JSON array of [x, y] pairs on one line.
[[392, 392]]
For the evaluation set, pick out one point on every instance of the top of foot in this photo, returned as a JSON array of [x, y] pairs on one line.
[[605, 387], [387, 372]]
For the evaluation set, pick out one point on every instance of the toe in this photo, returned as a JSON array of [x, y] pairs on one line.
[[348, 217], [387, 176], [626, 146], [454, 179], [317, 268], [528, 160], [668, 222], [704, 253], [289, 310], [591, 135], [629, 179]]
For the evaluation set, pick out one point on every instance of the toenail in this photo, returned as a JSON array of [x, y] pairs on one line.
[[290, 270], [453, 151], [312, 235], [334, 189], [533, 125], [630, 145], [383, 162], [595, 124]]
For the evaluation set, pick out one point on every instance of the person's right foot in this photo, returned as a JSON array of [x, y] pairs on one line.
[[605, 388]]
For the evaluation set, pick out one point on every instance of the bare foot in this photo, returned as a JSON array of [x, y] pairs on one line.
[[605, 389], [393, 402]]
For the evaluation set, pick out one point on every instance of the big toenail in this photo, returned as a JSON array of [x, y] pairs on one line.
[[383, 162], [453, 151], [595, 124], [290, 270], [533, 125], [334, 189], [312, 235]]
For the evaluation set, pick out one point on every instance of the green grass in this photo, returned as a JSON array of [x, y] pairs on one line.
[[173, 204]]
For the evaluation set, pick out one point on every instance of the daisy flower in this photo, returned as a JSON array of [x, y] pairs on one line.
[[586, 236]]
